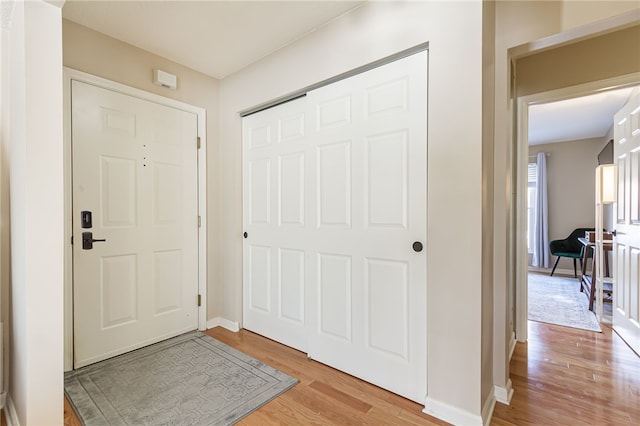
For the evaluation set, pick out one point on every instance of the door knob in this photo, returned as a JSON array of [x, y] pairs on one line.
[[88, 240], [417, 246]]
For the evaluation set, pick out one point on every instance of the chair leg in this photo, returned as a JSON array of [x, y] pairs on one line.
[[554, 265], [575, 270]]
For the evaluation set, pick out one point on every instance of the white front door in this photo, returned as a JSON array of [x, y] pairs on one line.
[[135, 187], [334, 200], [626, 293]]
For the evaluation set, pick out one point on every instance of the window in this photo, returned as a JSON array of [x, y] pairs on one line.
[[531, 204]]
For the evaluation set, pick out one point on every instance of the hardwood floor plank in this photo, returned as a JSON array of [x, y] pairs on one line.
[[340, 396], [70, 418], [561, 376], [570, 376]]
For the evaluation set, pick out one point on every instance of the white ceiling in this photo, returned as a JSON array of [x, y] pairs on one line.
[[216, 38], [577, 118]]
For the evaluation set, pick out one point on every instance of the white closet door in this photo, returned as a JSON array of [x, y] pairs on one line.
[[334, 200], [367, 311], [276, 159]]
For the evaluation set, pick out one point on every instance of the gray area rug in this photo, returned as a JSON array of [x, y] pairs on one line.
[[558, 300], [191, 379]]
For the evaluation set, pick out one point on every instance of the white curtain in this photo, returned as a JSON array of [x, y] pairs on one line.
[[541, 222]]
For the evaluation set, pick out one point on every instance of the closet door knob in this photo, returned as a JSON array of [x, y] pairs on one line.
[[417, 246]]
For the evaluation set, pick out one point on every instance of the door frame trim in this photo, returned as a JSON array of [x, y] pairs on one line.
[[72, 74]]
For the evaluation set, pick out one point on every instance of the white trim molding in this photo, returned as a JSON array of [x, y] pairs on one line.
[[201, 113], [223, 322], [10, 412], [504, 394], [451, 414], [487, 408], [593, 29]]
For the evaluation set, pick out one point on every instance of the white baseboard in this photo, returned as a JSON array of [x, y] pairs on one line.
[[487, 409], [222, 322], [452, 414], [503, 394], [10, 412]]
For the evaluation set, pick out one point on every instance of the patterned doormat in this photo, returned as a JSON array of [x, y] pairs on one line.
[[191, 379], [558, 300]]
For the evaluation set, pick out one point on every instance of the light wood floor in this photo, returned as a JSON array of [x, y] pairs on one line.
[[562, 376]]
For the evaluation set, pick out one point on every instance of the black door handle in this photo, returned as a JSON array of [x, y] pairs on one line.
[[88, 240], [417, 246]]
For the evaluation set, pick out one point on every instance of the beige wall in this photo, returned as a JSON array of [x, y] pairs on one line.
[[598, 58], [103, 56], [517, 22], [576, 13], [571, 187], [374, 31]]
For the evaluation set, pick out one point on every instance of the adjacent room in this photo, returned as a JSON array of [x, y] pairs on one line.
[[568, 140]]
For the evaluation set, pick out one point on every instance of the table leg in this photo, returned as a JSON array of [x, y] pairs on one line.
[[592, 290], [583, 266]]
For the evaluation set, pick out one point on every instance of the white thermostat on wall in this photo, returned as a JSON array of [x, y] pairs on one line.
[[165, 79]]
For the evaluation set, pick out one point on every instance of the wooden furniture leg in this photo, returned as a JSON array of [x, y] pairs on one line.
[[592, 290], [583, 266]]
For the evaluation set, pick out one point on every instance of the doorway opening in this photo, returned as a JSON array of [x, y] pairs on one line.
[[565, 156]]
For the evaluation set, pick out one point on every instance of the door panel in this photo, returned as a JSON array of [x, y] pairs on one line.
[[334, 185], [386, 180], [372, 312], [167, 269], [626, 294], [119, 283], [291, 284], [344, 172], [291, 189], [335, 314], [135, 170], [276, 218], [260, 278], [260, 192], [118, 206], [386, 287]]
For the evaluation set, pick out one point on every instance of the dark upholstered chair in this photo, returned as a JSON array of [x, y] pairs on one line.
[[569, 247]]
